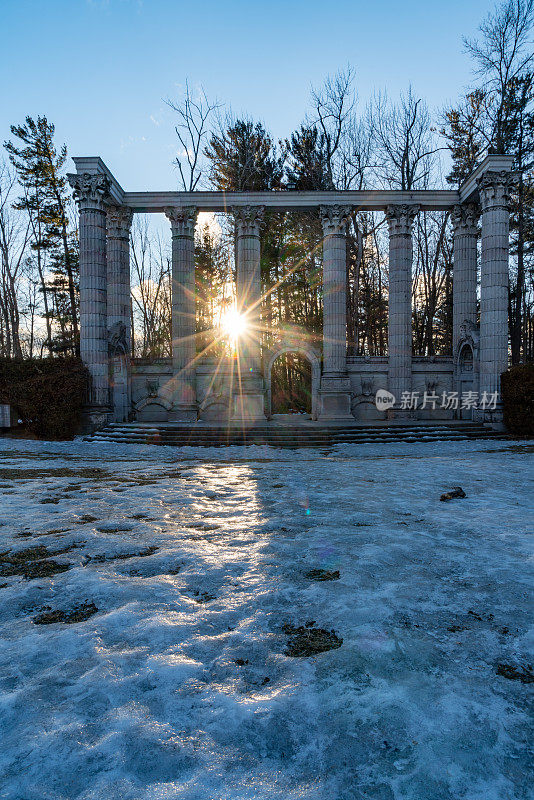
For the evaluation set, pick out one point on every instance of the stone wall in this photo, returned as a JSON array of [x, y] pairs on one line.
[[152, 387]]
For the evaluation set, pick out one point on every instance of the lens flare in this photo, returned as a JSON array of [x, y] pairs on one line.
[[233, 324]]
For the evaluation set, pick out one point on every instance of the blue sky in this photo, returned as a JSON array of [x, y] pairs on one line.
[[101, 69]]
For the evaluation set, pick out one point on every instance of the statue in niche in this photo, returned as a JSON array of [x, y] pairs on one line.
[[117, 341], [469, 335], [368, 386], [152, 387], [469, 331]]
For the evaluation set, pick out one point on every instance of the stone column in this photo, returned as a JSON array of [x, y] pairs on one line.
[[335, 383], [249, 396], [184, 405], [464, 283], [119, 220], [92, 193], [400, 220], [494, 189]]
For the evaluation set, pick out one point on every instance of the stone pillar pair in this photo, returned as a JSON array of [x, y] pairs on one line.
[[104, 298], [494, 193], [248, 386], [335, 384]]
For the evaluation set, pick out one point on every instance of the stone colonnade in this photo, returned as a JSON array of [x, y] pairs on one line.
[[105, 297]]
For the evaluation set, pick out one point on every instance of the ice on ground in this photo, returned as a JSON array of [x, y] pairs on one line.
[[200, 560]]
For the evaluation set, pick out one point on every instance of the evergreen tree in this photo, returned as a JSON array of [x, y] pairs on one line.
[[244, 158], [307, 168], [212, 280], [464, 132], [46, 197]]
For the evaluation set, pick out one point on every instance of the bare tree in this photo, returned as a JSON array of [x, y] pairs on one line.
[[405, 146], [194, 112], [431, 284], [334, 105], [502, 55], [151, 293]]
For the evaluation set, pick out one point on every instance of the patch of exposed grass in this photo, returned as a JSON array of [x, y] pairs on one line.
[[307, 640], [78, 614], [452, 494], [32, 562], [39, 569], [93, 473], [102, 557], [322, 575], [516, 672], [54, 532], [203, 597]]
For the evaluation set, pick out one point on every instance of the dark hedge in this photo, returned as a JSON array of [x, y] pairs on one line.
[[517, 387], [47, 394]]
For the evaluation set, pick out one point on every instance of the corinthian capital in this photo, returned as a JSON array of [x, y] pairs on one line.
[[249, 219], [333, 218], [183, 220], [464, 218], [494, 189], [119, 220], [401, 218], [88, 189]]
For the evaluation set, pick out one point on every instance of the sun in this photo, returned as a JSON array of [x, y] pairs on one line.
[[233, 324]]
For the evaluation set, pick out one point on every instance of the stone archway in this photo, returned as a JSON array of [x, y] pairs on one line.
[[154, 408], [312, 357]]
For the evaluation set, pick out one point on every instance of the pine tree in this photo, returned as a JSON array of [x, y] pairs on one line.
[[307, 169], [244, 158], [46, 197]]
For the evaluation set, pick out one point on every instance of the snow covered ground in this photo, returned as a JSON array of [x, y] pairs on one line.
[[180, 687]]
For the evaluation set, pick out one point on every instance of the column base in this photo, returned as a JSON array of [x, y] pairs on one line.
[[94, 418], [493, 417], [120, 389], [335, 397], [400, 413], [183, 413], [249, 407], [335, 405]]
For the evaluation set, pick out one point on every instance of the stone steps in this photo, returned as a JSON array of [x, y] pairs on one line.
[[286, 435]]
